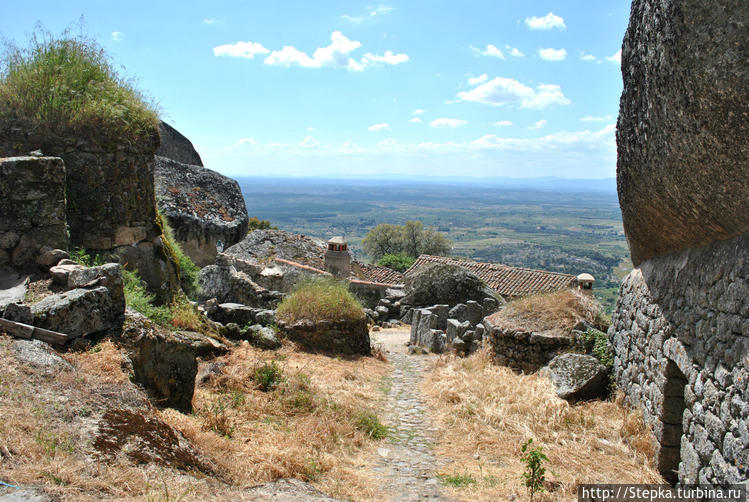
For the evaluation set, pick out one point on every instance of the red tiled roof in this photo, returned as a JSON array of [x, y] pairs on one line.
[[382, 275], [505, 280]]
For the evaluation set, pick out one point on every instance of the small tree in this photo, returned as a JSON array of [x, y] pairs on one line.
[[382, 240], [534, 474], [411, 239], [399, 262]]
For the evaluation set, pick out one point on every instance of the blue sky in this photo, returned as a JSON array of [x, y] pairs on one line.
[[362, 89]]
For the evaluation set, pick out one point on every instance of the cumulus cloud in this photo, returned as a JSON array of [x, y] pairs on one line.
[[478, 80], [490, 50], [514, 52], [245, 50], [552, 54], [538, 125], [503, 123], [210, 20], [309, 142], [417, 111], [415, 120], [587, 57], [246, 141], [387, 142], [375, 11], [547, 22], [384, 126], [443, 122], [615, 58], [117, 36], [591, 118], [335, 55], [506, 91]]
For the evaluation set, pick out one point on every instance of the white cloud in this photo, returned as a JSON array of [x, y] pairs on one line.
[[384, 126], [514, 51], [415, 120], [375, 11], [443, 122], [246, 141], [311, 129], [387, 58], [604, 137], [309, 142], [240, 50], [587, 57], [615, 58], [387, 142], [335, 55], [538, 125], [590, 118], [547, 22], [417, 111], [210, 20], [504, 91], [478, 80], [552, 54], [117, 36], [490, 50], [503, 123]]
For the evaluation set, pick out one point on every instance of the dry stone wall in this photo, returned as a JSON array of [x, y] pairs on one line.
[[32, 208], [681, 337]]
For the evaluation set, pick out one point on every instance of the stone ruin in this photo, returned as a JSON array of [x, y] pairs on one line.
[[681, 325]]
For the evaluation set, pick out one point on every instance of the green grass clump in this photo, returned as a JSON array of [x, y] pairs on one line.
[[457, 480], [370, 424], [268, 376], [320, 298], [67, 86], [138, 298], [186, 268]]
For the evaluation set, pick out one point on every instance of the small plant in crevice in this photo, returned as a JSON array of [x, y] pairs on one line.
[[597, 342], [535, 472], [141, 300]]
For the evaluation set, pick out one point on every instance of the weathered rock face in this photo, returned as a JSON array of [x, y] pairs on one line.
[[203, 207], [79, 312], [577, 376], [683, 158], [334, 337], [177, 147], [32, 208], [227, 284], [443, 284], [681, 337], [263, 245]]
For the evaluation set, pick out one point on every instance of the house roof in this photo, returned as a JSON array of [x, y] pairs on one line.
[[505, 280], [586, 278], [384, 275]]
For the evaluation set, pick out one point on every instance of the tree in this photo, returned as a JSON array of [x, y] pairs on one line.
[[411, 240], [381, 240]]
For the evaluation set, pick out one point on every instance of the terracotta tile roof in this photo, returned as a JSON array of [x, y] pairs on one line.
[[505, 280], [382, 275]]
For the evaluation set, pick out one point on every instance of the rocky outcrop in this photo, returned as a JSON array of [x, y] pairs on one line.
[[680, 329], [438, 283], [332, 337], [264, 245], [226, 284], [683, 158], [577, 376], [32, 208], [205, 209], [175, 146]]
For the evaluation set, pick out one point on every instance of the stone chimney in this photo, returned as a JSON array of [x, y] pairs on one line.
[[337, 257], [585, 283]]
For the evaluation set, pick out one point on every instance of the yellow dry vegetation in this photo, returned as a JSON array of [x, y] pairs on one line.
[[305, 427], [484, 413]]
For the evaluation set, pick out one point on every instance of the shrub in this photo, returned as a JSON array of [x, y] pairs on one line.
[[370, 424], [257, 224], [67, 86], [138, 298], [268, 376], [320, 298], [535, 472], [81, 257], [598, 343], [400, 261]]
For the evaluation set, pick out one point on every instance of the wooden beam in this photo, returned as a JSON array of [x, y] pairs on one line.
[[21, 330]]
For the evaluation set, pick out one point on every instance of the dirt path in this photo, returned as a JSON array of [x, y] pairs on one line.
[[407, 465]]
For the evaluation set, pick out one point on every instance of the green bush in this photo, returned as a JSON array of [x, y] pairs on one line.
[[268, 376], [320, 298], [257, 224], [370, 424], [138, 298], [68, 86], [399, 261], [597, 342], [81, 257]]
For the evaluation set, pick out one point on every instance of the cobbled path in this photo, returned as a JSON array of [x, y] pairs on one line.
[[407, 465]]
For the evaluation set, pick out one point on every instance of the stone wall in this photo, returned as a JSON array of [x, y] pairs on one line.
[[32, 208], [681, 337], [526, 351], [333, 337]]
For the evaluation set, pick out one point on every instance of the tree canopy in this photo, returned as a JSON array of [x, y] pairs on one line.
[[411, 239]]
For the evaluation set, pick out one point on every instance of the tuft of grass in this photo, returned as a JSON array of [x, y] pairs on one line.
[[320, 298], [268, 376], [186, 268], [138, 298], [370, 424], [457, 480], [67, 86]]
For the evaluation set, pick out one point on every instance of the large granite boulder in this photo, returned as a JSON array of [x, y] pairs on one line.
[[177, 147], [205, 209], [683, 158], [262, 245], [443, 284], [80, 311], [577, 376]]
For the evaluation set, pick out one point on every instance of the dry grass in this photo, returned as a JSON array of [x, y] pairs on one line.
[[484, 413], [560, 310], [305, 428], [320, 298]]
